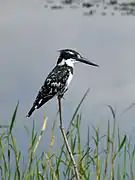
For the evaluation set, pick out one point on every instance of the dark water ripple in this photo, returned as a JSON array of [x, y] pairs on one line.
[[102, 7]]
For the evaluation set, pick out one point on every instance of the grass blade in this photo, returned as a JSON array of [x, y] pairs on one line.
[[13, 118]]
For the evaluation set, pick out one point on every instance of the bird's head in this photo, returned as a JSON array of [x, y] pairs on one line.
[[70, 57]]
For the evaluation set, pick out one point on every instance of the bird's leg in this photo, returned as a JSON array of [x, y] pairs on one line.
[[62, 95], [66, 141]]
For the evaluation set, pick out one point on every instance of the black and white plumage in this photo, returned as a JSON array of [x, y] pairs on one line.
[[57, 82]]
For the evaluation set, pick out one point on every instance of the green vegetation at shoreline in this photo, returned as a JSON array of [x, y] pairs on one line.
[[110, 157]]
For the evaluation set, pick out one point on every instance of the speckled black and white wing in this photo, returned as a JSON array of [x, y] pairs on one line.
[[55, 84]]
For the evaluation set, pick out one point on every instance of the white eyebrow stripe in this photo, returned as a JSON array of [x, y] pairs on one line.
[[70, 52]]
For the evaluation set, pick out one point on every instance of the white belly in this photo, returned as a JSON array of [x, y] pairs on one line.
[[69, 79]]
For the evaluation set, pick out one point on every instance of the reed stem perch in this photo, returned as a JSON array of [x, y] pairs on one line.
[[66, 141]]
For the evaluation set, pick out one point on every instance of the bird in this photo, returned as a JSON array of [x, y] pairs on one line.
[[58, 80]]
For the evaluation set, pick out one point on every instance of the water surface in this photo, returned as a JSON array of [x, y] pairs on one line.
[[30, 36]]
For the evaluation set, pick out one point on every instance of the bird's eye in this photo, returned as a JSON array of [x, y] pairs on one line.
[[78, 56]]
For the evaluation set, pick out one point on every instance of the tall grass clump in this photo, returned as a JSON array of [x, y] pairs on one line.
[[109, 156]]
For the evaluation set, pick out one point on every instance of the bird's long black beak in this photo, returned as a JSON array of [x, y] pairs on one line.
[[84, 60]]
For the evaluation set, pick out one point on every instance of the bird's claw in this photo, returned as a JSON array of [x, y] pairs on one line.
[[63, 98]]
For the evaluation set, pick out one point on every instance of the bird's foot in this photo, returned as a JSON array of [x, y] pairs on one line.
[[63, 98]]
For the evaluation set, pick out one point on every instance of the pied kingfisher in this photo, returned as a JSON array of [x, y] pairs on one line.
[[57, 82]]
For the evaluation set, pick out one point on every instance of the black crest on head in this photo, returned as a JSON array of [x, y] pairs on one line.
[[67, 54]]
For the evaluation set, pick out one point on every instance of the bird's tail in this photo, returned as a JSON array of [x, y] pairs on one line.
[[38, 103], [30, 111]]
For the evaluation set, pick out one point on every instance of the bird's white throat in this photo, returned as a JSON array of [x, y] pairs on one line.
[[70, 62]]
